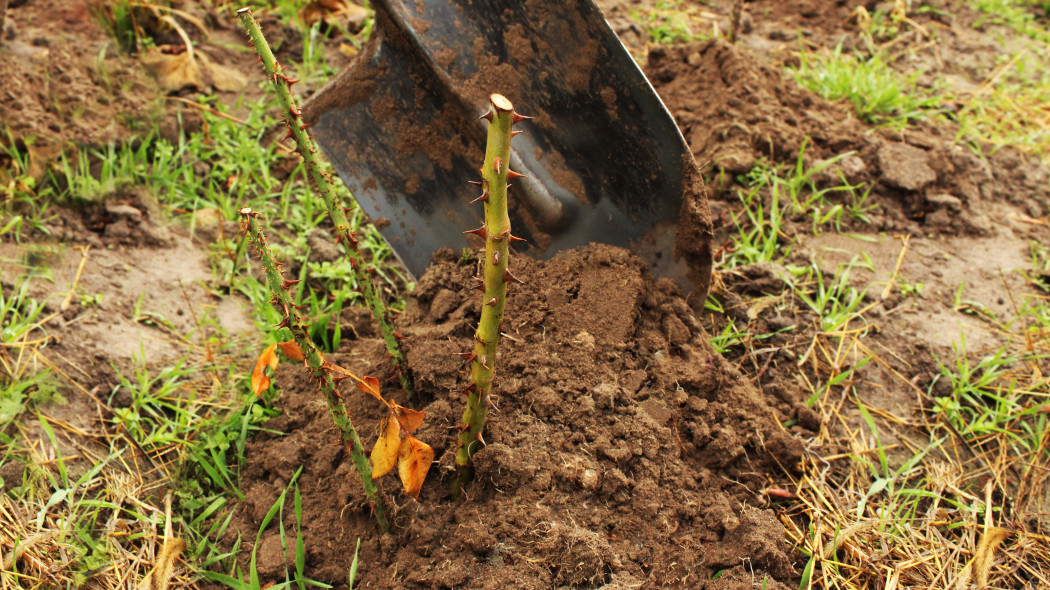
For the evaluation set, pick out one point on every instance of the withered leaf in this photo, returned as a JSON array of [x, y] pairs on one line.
[[260, 381], [291, 350], [414, 459], [370, 385], [410, 419], [384, 454]]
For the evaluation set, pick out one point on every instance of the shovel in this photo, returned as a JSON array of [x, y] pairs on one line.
[[603, 159]]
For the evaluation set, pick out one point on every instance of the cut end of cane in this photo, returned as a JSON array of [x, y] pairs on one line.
[[500, 103]]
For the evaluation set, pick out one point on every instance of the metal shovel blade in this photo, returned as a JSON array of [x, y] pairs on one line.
[[603, 157]]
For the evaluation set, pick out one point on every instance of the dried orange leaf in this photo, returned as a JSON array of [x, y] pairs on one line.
[[384, 455], [291, 350], [414, 459], [370, 385], [260, 382], [410, 420]]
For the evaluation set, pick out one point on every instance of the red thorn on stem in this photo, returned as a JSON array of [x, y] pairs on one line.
[[398, 336], [503, 234], [467, 355], [481, 440], [287, 134], [484, 198], [487, 115], [478, 232], [508, 277], [475, 182], [293, 111], [491, 302], [517, 239], [480, 286], [500, 328], [289, 81], [495, 257], [470, 388], [513, 174], [518, 118], [484, 362], [516, 133], [497, 165]]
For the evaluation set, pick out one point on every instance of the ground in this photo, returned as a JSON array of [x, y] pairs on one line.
[[861, 400]]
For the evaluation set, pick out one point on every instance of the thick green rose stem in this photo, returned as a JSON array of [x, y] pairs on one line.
[[316, 363], [321, 180], [496, 275]]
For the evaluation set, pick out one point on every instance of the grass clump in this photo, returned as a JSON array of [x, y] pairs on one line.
[[879, 94], [1012, 106]]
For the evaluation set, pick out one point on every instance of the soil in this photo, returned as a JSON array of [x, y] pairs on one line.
[[622, 450]]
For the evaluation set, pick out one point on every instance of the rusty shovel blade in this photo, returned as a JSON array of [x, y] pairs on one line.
[[603, 159]]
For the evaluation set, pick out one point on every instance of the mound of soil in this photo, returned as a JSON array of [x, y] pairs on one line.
[[621, 450]]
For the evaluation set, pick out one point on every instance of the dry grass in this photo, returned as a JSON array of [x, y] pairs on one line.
[[98, 532], [944, 507]]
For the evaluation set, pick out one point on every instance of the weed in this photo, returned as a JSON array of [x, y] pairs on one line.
[[878, 94], [1010, 107], [23, 205], [1019, 15], [667, 22], [835, 302], [758, 236]]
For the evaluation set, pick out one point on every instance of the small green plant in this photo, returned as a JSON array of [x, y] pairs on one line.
[[495, 276], [666, 22]]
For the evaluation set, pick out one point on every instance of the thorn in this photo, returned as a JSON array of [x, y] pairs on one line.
[[484, 198], [500, 329], [508, 277], [497, 165], [480, 286], [478, 232], [398, 336], [470, 388], [491, 302], [294, 111], [287, 134], [289, 81], [475, 182], [513, 174], [484, 362], [495, 257], [288, 283], [517, 239], [487, 115], [467, 355], [304, 126], [513, 134], [518, 118], [480, 439], [503, 234]]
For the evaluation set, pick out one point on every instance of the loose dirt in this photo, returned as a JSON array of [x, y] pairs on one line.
[[622, 449]]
